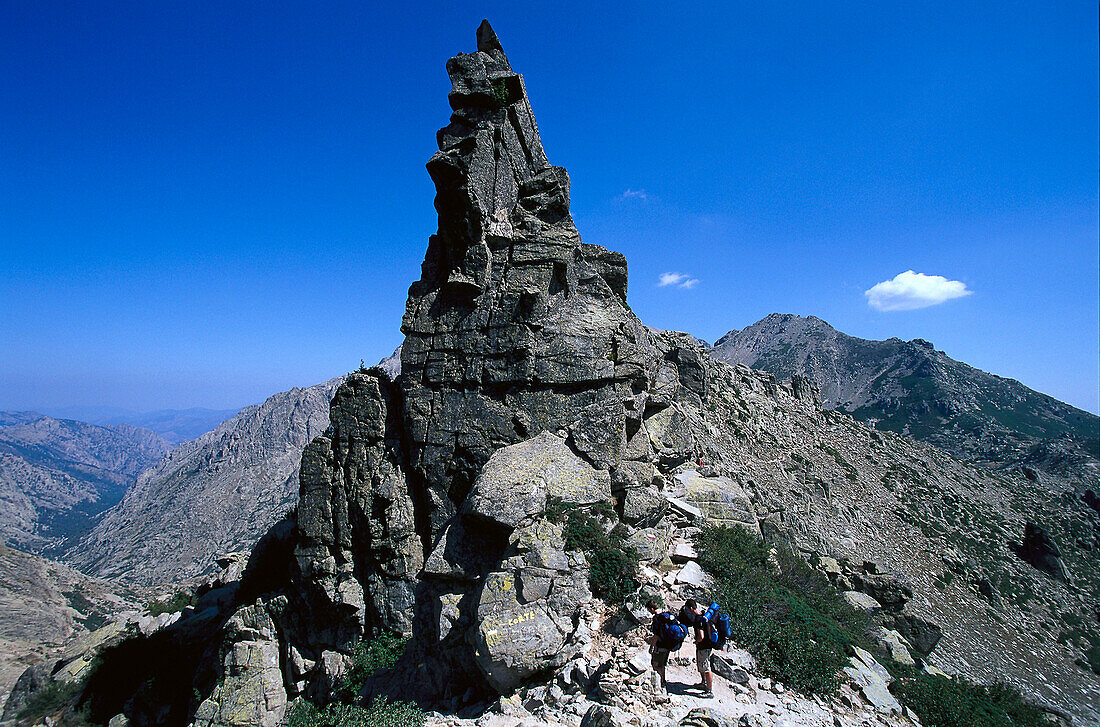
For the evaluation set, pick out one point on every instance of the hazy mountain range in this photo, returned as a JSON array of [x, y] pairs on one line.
[[173, 425], [209, 496]]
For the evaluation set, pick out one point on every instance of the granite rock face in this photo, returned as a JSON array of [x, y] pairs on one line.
[[252, 691], [358, 551], [516, 327], [523, 377]]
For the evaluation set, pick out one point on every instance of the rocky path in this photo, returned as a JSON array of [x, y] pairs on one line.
[[614, 674]]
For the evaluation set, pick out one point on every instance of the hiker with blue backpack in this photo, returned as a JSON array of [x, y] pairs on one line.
[[712, 630], [692, 615], [668, 636]]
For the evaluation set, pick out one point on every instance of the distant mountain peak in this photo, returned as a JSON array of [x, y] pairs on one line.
[[911, 388]]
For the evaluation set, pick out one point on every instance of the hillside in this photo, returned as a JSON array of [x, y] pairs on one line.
[[216, 494], [911, 388], [44, 607], [56, 475]]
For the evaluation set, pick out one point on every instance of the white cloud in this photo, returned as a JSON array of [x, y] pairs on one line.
[[633, 194], [910, 290], [680, 280]]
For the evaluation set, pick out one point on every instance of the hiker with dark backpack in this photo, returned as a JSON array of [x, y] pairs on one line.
[[668, 636], [694, 617]]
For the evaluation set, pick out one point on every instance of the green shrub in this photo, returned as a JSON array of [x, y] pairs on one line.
[[51, 699], [370, 657], [1092, 658], [380, 713], [942, 702], [800, 630], [612, 564], [177, 602], [498, 89], [789, 615]]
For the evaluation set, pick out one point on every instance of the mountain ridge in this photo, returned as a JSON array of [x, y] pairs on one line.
[[173, 425], [427, 507], [912, 388], [212, 495]]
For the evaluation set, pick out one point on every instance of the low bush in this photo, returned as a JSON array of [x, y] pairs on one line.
[[370, 658], [942, 702], [381, 713], [51, 699], [612, 564], [784, 612], [176, 602], [801, 630]]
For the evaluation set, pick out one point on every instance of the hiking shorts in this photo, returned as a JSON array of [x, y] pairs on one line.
[[702, 659], [660, 658]]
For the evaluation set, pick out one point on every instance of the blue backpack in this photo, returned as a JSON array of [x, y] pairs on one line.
[[670, 632], [719, 625]]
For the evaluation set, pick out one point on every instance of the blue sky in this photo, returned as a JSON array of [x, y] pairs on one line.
[[204, 203]]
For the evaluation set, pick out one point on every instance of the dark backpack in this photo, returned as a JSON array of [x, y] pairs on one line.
[[670, 632]]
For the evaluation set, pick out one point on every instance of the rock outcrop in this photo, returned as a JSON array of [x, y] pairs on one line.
[[46, 608], [517, 334], [1039, 549]]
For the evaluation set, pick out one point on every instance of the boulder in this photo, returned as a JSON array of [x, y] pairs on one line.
[[889, 590], [720, 500], [517, 481], [670, 435], [693, 575], [636, 486], [725, 668], [1040, 550], [651, 543], [704, 717], [599, 716], [528, 615], [861, 601], [830, 567], [922, 635], [893, 645], [682, 552], [868, 676], [251, 692], [79, 656], [30, 682]]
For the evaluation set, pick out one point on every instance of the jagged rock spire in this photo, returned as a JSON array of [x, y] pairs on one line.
[[510, 300], [487, 40]]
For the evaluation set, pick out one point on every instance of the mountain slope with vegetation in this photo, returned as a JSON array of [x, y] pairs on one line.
[[56, 475], [911, 388]]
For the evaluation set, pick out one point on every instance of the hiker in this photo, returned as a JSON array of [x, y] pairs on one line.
[[692, 615], [668, 635]]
